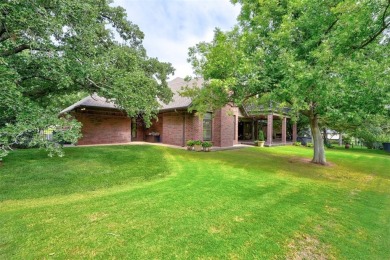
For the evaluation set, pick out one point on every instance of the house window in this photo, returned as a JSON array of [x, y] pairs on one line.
[[133, 128], [207, 127]]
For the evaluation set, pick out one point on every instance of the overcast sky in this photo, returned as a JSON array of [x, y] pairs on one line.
[[172, 26]]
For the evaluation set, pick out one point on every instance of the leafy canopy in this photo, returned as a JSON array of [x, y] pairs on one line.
[[328, 60], [54, 52]]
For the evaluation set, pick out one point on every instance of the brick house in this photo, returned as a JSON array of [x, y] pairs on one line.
[[104, 123]]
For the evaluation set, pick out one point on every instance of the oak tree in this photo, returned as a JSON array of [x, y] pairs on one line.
[[327, 60], [53, 50]]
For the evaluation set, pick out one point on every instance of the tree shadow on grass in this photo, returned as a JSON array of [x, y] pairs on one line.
[[32, 174], [265, 161]]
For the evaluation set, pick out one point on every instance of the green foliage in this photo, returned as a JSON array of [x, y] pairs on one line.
[[329, 145], [261, 135], [190, 143], [373, 130], [204, 144], [347, 139], [384, 138], [297, 144], [207, 144], [197, 142], [51, 53], [309, 145], [328, 60]]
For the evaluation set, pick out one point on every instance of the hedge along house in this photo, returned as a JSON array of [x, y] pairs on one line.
[[104, 123]]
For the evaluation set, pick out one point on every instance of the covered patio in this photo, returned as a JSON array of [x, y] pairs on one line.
[[278, 128]]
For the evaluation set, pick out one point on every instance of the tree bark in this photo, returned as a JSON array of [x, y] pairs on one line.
[[325, 136], [319, 151]]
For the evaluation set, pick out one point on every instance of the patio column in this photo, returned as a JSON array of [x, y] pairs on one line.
[[294, 132], [270, 126], [284, 130], [253, 129]]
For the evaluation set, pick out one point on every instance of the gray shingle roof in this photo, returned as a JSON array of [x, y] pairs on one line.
[[90, 101], [179, 101], [175, 85]]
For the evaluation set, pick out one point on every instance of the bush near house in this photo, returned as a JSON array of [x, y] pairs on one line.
[[205, 144]]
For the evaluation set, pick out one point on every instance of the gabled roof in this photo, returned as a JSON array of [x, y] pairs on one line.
[[91, 101], [178, 102]]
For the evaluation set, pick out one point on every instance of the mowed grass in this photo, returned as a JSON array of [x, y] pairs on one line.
[[147, 202]]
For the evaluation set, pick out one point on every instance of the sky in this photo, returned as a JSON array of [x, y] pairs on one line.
[[172, 26]]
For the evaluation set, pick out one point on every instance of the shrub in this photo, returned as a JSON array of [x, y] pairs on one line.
[[261, 135], [309, 144], [329, 145], [347, 140], [297, 143], [197, 142], [190, 143], [206, 144]]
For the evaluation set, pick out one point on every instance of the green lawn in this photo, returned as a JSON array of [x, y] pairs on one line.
[[147, 202]]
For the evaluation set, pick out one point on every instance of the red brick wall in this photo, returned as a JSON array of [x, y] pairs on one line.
[[189, 128], [197, 128], [225, 130], [172, 128], [104, 129], [222, 127], [227, 126], [174, 123], [156, 127], [216, 131]]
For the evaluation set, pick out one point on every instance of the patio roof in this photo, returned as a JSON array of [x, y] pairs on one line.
[[253, 110]]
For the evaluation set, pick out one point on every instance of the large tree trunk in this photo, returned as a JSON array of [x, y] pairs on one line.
[[319, 151]]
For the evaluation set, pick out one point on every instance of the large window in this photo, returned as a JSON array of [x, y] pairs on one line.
[[207, 127]]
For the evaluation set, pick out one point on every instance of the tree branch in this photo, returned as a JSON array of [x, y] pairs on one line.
[[93, 83], [372, 38], [4, 36], [384, 13], [375, 35], [21, 48], [249, 96], [36, 76], [327, 31], [15, 50], [305, 112]]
